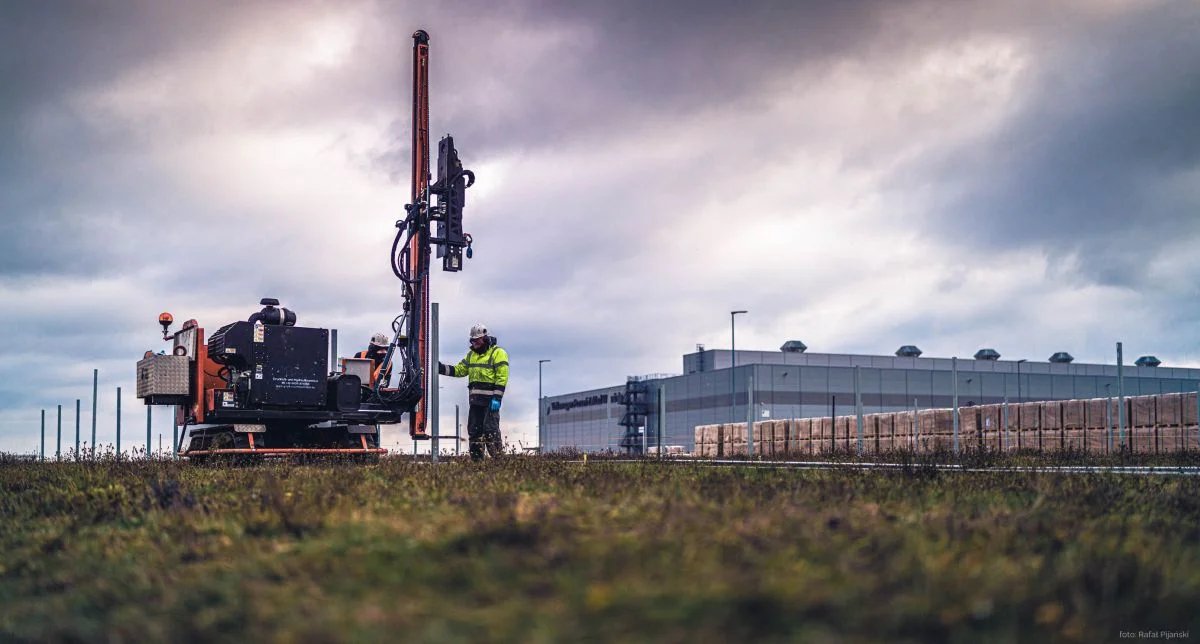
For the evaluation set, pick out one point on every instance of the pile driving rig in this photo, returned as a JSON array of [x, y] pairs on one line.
[[265, 386]]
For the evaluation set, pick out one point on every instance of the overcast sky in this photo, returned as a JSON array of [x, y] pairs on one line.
[[1023, 175]]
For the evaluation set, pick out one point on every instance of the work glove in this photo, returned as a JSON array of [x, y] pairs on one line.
[[495, 406]]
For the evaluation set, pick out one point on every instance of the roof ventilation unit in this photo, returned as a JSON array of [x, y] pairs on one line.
[[987, 354], [1148, 361], [908, 351], [1062, 357], [794, 346]]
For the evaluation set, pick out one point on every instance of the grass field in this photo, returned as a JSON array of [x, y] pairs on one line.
[[541, 550]]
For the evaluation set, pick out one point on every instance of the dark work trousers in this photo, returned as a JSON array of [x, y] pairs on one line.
[[483, 431]]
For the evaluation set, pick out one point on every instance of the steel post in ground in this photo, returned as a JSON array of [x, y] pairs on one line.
[[175, 436], [750, 412], [43, 453], [77, 429], [118, 422], [457, 430], [662, 417], [954, 416], [58, 448], [916, 426], [432, 376], [1108, 425], [95, 389], [148, 424], [1120, 397], [1004, 422], [858, 410]]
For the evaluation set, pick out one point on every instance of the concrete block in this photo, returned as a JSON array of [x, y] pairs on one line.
[[1141, 411], [1168, 410], [1052, 413]]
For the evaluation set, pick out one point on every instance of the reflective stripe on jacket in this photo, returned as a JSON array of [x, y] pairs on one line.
[[487, 373]]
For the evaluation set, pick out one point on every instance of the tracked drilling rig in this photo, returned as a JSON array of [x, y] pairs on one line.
[[264, 386]]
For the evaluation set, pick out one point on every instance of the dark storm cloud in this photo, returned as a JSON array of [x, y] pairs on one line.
[[1096, 161]]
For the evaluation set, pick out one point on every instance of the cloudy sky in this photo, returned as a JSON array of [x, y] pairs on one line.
[[1023, 175]]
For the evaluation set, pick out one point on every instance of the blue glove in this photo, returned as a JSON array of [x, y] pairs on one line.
[[495, 406]]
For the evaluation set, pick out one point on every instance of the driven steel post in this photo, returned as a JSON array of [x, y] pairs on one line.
[[77, 429], [858, 408], [58, 448], [118, 422], [1120, 398], [433, 382], [750, 412], [43, 453], [954, 418], [95, 385]]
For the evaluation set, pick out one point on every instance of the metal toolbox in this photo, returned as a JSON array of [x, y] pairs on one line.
[[162, 375]]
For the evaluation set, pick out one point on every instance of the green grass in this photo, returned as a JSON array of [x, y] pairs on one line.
[[530, 550]]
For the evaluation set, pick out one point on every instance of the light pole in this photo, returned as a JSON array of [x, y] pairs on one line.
[[733, 363], [733, 336], [541, 406]]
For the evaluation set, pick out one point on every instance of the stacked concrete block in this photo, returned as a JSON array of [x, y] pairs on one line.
[[822, 435], [1141, 411], [735, 439], [902, 430], [1154, 424], [991, 418], [782, 437], [871, 433], [703, 438], [800, 437], [1052, 437], [884, 432]]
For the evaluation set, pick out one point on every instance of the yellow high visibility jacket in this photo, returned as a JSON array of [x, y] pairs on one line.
[[487, 373]]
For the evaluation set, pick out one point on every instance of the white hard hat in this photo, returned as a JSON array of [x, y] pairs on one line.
[[478, 331], [379, 340]]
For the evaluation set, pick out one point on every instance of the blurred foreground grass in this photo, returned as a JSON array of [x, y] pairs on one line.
[[541, 550]]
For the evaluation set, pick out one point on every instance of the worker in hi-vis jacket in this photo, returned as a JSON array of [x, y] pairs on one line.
[[486, 369]]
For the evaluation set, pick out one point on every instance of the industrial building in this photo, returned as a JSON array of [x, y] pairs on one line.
[[717, 385]]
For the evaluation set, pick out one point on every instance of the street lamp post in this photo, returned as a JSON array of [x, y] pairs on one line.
[[733, 337], [541, 406], [733, 363]]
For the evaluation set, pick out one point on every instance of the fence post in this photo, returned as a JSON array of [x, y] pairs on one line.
[[58, 447], [858, 410], [1108, 421], [434, 406], [750, 412], [662, 417], [1120, 398], [43, 435], [95, 385], [1003, 443], [954, 417], [916, 426], [118, 422], [77, 429]]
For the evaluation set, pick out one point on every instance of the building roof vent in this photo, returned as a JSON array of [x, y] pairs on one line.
[[1148, 361], [987, 354], [1062, 357], [908, 351], [794, 346]]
